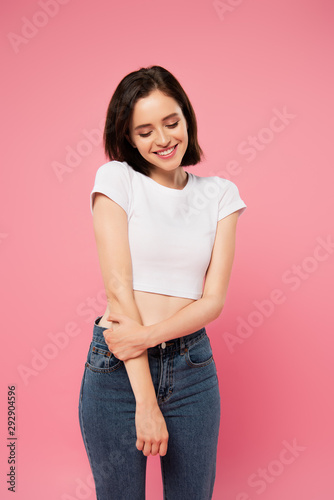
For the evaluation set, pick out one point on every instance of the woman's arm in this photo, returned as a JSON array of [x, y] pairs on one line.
[[111, 235], [110, 227], [130, 338], [201, 312]]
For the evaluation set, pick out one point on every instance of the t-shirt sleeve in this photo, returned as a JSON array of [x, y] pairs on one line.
[[230, 200], [112, 179]]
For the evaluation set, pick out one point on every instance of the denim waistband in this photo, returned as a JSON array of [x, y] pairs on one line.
[[179, 344]]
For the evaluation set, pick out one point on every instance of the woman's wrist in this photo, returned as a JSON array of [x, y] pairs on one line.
[[146, 402], [148, 337], [151, 338], [187, 320], [139, 373], [146, 396]]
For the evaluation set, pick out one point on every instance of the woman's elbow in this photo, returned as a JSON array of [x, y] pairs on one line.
[[119, 296], [218, 308], [216, 305]]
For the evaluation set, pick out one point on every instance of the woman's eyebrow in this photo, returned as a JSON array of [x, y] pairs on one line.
[[150, 124]]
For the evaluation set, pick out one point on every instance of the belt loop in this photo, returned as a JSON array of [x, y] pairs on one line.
[[182, 345]]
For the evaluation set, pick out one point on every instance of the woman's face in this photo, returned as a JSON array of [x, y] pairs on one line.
[[157, 125]]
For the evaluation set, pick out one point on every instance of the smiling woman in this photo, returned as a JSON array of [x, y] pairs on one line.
[[162, 138], [150, 383]]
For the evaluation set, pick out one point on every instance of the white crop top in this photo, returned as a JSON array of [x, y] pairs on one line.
[[171, 231]]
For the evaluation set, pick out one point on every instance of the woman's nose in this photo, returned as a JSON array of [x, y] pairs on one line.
[[162, 139]]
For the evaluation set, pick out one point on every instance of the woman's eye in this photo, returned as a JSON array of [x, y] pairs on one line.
[[173, 125]]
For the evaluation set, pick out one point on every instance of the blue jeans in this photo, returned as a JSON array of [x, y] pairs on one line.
[[186, 384]]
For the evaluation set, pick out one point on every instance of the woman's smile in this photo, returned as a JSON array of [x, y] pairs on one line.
[[167, 153]]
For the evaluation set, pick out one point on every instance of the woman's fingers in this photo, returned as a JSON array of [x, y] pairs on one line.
[[163, 448], [139, 444], [123, 348], [151, 429], [155, 448], [149, 448]]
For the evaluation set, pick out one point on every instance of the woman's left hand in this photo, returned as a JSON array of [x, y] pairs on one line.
[[128, 340]]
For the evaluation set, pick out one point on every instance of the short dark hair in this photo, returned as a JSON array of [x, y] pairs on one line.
[[132, 87]]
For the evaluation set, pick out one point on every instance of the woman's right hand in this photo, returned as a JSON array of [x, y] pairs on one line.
[[151, 429]]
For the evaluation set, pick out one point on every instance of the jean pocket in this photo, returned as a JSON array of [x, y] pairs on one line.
[[200, 353], [100, 359]]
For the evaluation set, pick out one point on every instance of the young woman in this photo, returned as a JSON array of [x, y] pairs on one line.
[[165, 239]]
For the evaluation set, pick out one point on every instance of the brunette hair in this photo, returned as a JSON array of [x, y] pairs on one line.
[[132, 87]]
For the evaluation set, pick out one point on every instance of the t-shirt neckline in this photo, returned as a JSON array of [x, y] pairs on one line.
[[173, 191]]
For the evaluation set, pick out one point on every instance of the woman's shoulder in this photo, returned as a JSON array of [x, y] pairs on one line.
[[113, 179], [114, 171], [113, 166]]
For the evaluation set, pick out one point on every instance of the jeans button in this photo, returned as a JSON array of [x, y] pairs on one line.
[[163, 345]]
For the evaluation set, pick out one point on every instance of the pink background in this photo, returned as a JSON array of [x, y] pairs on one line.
[[241, 64]]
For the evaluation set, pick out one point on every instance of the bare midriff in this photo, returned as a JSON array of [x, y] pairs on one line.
[[153, 307]]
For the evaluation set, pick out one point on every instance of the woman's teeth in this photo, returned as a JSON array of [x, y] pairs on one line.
[[167, 152]]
